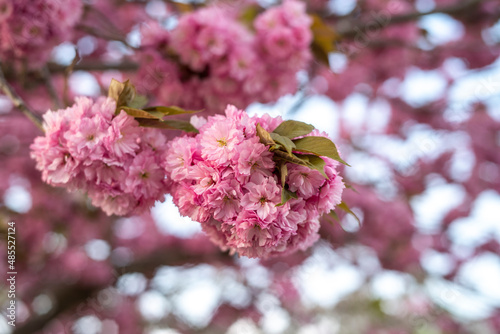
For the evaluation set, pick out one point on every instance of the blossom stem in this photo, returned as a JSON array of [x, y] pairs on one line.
[[18, 101]]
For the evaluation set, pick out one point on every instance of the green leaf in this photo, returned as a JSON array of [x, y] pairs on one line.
[[335, 218], [139, 113], [283, 173], [286, 195], [249, 14], [265, 137], [122, 92], [348, 186], [334, 215], [319, 146], [168, 124], [171, 110], [286, 142], [293, 129], [346, 208], [314, 162], [290, 158], [324, 38], [139, 102]]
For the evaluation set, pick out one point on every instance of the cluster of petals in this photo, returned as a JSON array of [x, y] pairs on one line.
[[29, 29], [211, 59], [89, 147], [226, 179]]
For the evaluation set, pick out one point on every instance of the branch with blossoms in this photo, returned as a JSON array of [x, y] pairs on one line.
[[257, 186]]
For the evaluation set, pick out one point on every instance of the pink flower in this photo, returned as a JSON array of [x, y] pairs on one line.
[[225, 199], [86, 147], [304, 180], [119, 204], [263, 195], [85, 140], [29, 30], [232, 189], [330, 193], [182, 152], [221, 61], [219, 141], [279, 42], [190, 204], [205, 176], [122, 135], [253, 156], [145, 177]]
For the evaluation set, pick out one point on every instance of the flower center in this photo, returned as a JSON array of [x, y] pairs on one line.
[[222, 142]]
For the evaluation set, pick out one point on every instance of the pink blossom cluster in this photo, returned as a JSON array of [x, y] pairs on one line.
[[30, 29], [225, 179], [88, 147], [211, 59]]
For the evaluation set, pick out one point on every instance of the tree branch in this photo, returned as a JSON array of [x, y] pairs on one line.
[[95, 66], [354, 29], [68, 297], [18, 101]]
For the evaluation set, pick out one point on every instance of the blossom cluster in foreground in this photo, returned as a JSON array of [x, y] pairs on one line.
[[211, 58], [226, 179], [89, 147], [32, 28]]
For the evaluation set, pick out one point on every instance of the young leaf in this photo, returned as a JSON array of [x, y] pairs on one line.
[[174, 125], [138, 113], [349, 186], [314, 162], [171, 110], [139, 102], [334, 215], [122, 92], [283, 173], [293, 129], [265, 137], [291, 158], [286, 195], [286, 142], [346, 208], [324, 38], [320, 146], [249, 14]]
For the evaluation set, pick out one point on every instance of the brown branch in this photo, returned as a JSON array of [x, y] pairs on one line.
[[68, 297], [95, 66], [353, 29], [18, 101]]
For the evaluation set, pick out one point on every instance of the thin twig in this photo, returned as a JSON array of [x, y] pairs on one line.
[[96, 66], [47, 78], [18, 101], [67, 73]]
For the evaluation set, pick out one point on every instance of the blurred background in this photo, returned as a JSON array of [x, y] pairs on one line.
[[408, 90]]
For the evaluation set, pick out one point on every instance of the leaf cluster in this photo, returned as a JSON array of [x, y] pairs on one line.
[[125, 95], [288, 144]]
